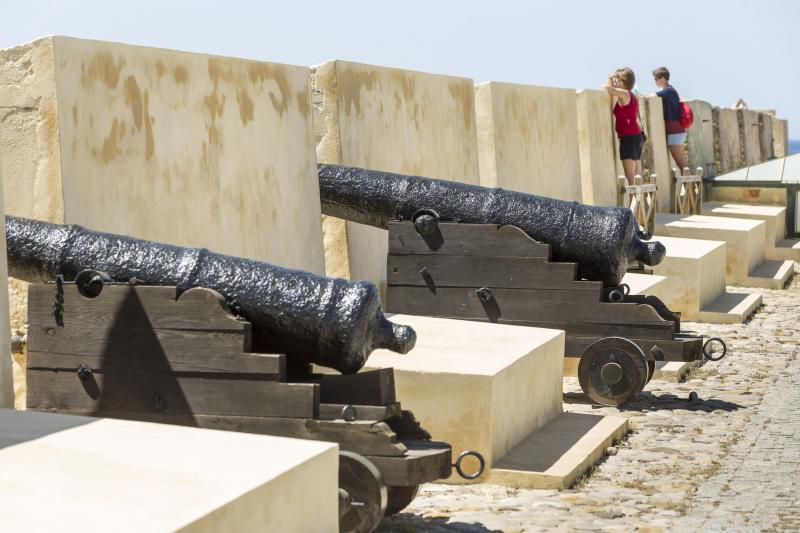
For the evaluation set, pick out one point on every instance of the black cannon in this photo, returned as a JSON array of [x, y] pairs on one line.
[[601, 240], [126, 328], [468, 252], [333, 322]]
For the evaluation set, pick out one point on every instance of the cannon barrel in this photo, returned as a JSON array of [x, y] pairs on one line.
[[328, 321], [602, 240]]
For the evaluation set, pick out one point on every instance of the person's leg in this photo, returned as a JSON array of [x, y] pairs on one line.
[[629, 166], [678, 152]]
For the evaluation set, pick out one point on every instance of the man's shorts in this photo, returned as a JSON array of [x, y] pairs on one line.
[[630, 147], [676, 138]]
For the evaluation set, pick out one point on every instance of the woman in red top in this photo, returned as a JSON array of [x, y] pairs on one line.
[[626, 121]]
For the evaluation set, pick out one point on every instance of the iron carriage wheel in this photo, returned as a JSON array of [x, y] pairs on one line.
[[362, 494], [613, 370], [400, 497]]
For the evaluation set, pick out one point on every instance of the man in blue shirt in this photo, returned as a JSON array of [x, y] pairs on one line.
[[671, 103]]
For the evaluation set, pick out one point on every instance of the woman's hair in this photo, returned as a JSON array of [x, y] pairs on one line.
[[661, 72], [626, 76]]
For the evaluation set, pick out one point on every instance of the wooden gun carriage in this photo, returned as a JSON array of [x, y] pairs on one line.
[[160, 354], [499, 274]]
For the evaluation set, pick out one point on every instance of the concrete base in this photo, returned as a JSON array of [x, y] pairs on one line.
[[558, 454], [695, 284], [730, 308], [787, 249], [68, 473], [744, 242], [771, 274], [646, 284], [773, 216], [477, 385]]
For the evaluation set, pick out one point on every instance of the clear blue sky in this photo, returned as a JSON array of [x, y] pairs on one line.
[[717, 50]]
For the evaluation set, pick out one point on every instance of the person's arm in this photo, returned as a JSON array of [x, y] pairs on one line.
[[621, 94]]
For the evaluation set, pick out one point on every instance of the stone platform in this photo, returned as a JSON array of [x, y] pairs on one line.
[[646, 284], [496, 389], [695, 285], [744, 242], [776, 246], [70, 473]]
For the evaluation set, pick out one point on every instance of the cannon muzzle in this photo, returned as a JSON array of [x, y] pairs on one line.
[[328, 321], [601, 240]]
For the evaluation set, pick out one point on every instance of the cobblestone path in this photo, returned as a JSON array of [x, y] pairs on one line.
[[725, 461], [758, 486]]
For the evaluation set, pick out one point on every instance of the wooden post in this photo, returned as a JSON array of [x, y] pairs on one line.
[[640, 198], [686, 190]]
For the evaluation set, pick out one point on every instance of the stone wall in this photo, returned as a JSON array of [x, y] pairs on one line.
[[700, 138], [6, 367], [765, 131], [749, 141], [529, 139], [190, 149], [727, 141], [780, 137], [392, 120], [659, 159], [598, 155]]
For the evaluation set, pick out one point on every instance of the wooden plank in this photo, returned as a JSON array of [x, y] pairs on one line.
[[366, 438], [374, 387], [334, 411], [476, 271], [138, 306], [518, 305], [671, 350], [122, 342], [425, 461], [467, 239], [172, 393], [265, 366]]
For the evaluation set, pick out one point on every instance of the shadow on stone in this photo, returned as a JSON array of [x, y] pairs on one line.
[[407, 522], [647, 401]]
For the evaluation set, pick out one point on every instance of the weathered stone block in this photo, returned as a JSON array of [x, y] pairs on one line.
[[529, 139], [392, 120], [466, 381], [765, 136], [6, 366], [727, 141], [137, 476], [596, 148], [780, 137], [700, 139], [745, 263], [184, 148], [749, 140]]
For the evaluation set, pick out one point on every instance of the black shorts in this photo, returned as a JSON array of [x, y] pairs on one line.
[[630, 147]]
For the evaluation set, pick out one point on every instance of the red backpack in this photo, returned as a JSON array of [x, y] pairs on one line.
[[687, 116]]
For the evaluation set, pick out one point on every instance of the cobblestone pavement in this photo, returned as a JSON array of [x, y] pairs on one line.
[[723, 461], [758, 486]]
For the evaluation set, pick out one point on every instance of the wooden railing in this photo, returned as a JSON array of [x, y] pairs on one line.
[[639, 198], [686, 192]]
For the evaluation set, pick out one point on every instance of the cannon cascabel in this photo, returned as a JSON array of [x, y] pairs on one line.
[[601, 240], [332, 322]]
